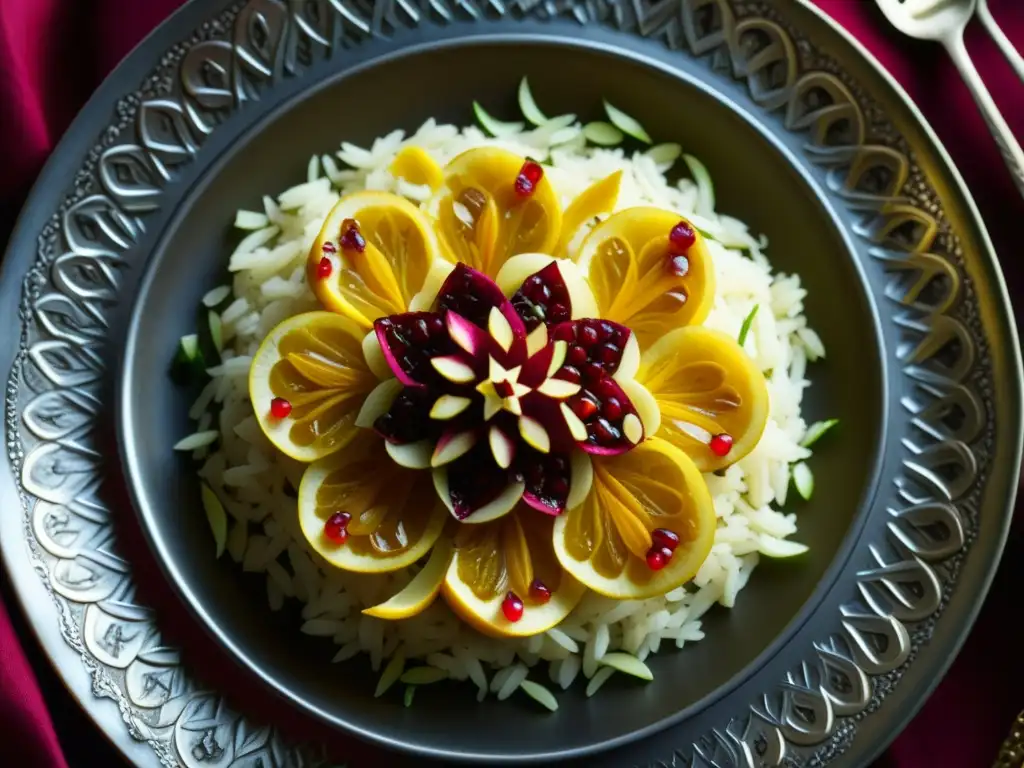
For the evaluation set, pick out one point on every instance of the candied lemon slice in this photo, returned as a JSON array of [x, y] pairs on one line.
[[417, 167], [631, 271], [704, 385], [605, 541], [382, 279], [315, 362], [482, 221], [395, 517], [510, 555], [420, 593], [600, 197]]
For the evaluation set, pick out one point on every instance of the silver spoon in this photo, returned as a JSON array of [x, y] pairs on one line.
[[944, 21]]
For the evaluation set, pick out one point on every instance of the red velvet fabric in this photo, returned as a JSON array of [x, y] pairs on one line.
[[53, 53]]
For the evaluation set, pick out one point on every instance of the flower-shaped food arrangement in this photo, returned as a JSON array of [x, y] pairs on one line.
[[535, 420]]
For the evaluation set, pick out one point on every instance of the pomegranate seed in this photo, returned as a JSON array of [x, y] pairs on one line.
[[612, 409], [584, 407], [609, 354], [681, 238], [328, 248], [529, 177], [568, 373], [420, 331], [336, 527], [720, 445], [512, 607], [564, 333], [665, 539], [678, 265], [606, 388], [557, 487], [436, 326], [324, 268], [588, 336], [604, 432], [558, 313], [576, 355], [280, 408], [539, 591], [658, 557], [351, 238], [503, 389], [593, 371]]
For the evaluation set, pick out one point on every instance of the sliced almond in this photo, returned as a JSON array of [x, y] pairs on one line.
[[447, 407], [534, 434], [453, 368]]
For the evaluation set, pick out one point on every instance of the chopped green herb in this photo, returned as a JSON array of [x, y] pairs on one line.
[[816, 430], [391, 673], [603, 134], [627, 124], [216, 517], [665, 153], [189, 346], [803, 479], [627, 664], [540, 694], [747, 322], [705, 188], [410, 691], [423, 676], [216, 331], [529, 107], [497, 128]]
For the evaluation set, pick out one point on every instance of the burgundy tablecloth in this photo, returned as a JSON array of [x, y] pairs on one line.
[[53, 53]]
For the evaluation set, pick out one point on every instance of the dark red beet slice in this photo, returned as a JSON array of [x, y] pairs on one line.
[[473, 294], [595, 346], [408, 420], [547, 478], [543, 298], [475, 480], [604, 408], [409, 341]]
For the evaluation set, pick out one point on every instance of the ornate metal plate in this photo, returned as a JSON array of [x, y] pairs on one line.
[[842, 688]]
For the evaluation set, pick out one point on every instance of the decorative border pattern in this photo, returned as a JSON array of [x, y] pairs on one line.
[[53, 393]]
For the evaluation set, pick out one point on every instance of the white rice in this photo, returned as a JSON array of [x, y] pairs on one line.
[[253, 479]]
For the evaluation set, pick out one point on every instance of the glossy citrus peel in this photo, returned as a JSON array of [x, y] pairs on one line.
[[529, 416]]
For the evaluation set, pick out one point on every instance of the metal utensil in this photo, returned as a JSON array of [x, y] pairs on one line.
[[944, 21]]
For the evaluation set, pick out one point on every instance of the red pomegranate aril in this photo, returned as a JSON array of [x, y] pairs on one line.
[[592, 371], [604, 433], [658, 557], [566, 333], [576, 355], [678, 265], [503, 389], [665, 539], [280, 408], [721, 444], [584, 407], [324, 268], [436, 326], [328, 248], [612, 409], [588, 336], [420, 331], [609, 354], [568, 373], [606, 388], [557, 487], [529, 177], [558, 313], [336, 527], [539, 591], [351, 238], [681, 238], [512, 607]]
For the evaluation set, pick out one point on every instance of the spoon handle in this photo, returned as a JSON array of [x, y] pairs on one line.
[[1013, 155], [997, 34]]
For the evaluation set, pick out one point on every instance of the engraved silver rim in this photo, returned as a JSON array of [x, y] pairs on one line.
[[58, 549]]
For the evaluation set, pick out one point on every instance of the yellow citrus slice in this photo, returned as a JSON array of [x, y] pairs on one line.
[[600, 197], [314, 363], [483, 221], [420, 593], [629, 265], [416, 166], [705, 386], [382, 279], [510, 559], [394, 517], [607, 541]]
